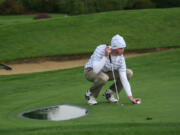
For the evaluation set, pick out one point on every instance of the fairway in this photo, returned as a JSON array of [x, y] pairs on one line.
[[156, 81]]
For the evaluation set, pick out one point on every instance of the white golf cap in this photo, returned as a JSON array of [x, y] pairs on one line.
[[117, 42]]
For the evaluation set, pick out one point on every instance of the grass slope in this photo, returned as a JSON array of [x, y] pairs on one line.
[[64, 35], [156, 81], [1, 1]]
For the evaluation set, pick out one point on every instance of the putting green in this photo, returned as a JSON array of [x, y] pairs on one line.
[[156, 81]]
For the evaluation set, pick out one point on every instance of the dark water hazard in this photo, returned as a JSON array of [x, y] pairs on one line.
[[56, 113]]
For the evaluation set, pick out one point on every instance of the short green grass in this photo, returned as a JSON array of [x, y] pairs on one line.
[[1, 1], [22, 37], [23, 19], [156, 81]]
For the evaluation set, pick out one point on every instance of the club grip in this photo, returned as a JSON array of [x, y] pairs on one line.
[[110, 58]]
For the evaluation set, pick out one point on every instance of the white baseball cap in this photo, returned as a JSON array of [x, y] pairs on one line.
[[117, 42]]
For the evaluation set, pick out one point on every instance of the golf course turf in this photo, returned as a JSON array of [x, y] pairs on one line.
[[156, 81], [22, 37]]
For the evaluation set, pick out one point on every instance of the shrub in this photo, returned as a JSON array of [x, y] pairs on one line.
[[141, 4], [30, 4], [167, 3], [11, 7], [86, 6], [104, 5], [71, 6], [31, 12], [75, 6], [42, 16], [41, 5]]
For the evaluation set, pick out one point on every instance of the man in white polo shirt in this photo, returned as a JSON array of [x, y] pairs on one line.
[[98, 70]]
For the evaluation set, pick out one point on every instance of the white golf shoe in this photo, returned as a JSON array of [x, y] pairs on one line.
[[109, 96], [91, 99]]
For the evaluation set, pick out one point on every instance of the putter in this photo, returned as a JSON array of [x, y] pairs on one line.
[[117, 94]]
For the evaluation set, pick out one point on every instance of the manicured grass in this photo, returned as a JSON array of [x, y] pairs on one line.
[[23, 19], [142, 29], [156, 81]]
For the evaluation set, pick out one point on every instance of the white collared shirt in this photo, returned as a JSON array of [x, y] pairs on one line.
[[118, 61]]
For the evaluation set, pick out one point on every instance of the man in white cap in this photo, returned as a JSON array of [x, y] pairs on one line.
[[98, 70]]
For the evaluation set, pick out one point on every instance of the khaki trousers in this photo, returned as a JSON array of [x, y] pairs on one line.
[[100, 79]]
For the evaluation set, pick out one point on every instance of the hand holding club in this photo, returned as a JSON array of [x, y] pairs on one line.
[[107, 51]]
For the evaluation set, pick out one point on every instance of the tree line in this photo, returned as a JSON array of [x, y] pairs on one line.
[[74, 7]]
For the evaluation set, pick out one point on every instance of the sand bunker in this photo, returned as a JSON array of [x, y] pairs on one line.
[[56, 63]]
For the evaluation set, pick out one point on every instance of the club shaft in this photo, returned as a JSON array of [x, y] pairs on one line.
[[117, 94]]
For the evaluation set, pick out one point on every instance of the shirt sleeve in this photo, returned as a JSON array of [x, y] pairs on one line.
[[98, 65], [122, 62], [125, 83], [99, 59]]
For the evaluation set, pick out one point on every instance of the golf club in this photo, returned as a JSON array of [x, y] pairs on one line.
[[5, 67], [117, 94]]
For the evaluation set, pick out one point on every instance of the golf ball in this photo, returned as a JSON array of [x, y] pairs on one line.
[[138, 102]]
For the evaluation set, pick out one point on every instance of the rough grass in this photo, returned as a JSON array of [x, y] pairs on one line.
[[22, 37], [156, 81]]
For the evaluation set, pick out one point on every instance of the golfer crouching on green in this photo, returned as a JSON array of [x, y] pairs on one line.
[[98, 71]]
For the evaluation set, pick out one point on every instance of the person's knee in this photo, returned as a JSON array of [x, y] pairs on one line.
[[129, 73], [102, 79]]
